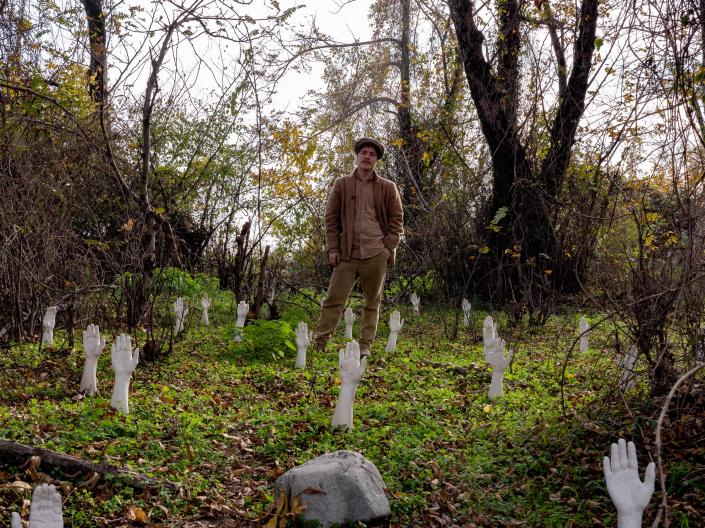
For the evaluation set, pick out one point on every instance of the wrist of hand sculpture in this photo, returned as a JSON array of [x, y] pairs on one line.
[[242, 309], [205, 304], [499, 363], [466, 312], [48, 323], [349, 321], [93, 345], [629, 495], [396, 323], [303, 340], [181, 310], [351, 371], [124, 364]]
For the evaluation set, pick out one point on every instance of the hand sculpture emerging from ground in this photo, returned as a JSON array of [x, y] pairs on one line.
[[489, 336], [124, 364], [499, 363], [303, 340], [466, 312], [205, 304], [395, 324], [416, 303], [242, 310], [351, 371], [628, 493], [627, 362], [45, 511], [349, 321], [48, 323], [584, 329], [93, 345], [181, 310]]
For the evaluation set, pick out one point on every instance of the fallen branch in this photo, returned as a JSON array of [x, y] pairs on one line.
[[13, 452]]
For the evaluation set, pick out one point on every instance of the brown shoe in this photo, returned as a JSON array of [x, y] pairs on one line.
[[364, 351]]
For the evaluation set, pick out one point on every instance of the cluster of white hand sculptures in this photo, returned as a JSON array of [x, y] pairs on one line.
[[181, 310], [48, 323], [45, 510], [93, 345], [584, 331], [395, 324], [627, 362], [628, 493], [242, 309], [205, 304], [467, 307], [351, 370], [303, 340], [494, 355], [415, 303], [124, 364], [349, 321]]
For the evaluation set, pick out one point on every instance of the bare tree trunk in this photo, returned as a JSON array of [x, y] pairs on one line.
[[259, 298], [240, 257]]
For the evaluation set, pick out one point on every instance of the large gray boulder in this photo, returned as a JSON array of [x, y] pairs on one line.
[[337, 488]]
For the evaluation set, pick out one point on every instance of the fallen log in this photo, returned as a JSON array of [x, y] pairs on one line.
[[16, 453]]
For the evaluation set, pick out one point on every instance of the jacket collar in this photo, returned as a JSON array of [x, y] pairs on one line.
[[374, 175]]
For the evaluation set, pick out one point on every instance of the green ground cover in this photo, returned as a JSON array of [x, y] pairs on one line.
[[222, 420]]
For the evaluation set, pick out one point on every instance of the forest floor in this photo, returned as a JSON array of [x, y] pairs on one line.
[[223, 420]]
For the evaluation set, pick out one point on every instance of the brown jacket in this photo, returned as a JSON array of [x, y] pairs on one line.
[[340, 215]]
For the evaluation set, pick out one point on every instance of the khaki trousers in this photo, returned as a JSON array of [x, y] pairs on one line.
[[371, 272]]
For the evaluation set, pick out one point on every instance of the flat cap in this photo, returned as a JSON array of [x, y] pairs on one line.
[[365, 142]]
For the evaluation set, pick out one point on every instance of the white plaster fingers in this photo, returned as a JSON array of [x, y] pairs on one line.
[[45, 510], [351, 371], [415, 303], [629, 495], [181, 310], [467, 307], [93, 345], [349, 321], [124, 364], [584, 331], [48, 322], [627, 362], [499, 363], [395, 325], [303, 340], [489, 336], [205, 304]]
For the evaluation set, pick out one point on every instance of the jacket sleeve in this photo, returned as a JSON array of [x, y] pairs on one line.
[[332, 218], [395, 219]]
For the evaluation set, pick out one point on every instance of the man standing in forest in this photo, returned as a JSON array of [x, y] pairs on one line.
[[364, 222]]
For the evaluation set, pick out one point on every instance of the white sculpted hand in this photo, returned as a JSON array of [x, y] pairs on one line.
[[499, 363], [416, 303], [48, 323], [205, 304], [626, 490], [45, 511], [584, 330], [351, 371], [181, 310], [124, 364], [93, 345], [396, 323], [349, 321], [16, 520], [303, 340], [466, 312], [242, 309], [489, 336]]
